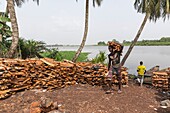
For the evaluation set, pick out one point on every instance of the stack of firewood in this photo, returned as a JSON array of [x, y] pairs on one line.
[[160, 79], [17, 74], [116, 46], [124, 74]]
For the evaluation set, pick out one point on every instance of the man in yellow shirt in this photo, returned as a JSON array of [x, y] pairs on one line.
[[141, 69]]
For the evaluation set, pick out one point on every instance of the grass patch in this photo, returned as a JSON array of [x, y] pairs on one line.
[[60, 55], [70, 54], [131, 76], [100, 58]]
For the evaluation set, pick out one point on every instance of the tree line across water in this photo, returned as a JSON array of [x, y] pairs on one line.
[[164, 41]]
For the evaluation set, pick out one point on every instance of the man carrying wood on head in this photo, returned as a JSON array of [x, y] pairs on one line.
[[114, 66]]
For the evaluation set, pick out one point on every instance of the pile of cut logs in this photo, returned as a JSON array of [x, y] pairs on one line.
[[160, 79], [18, 74], [117, 46]]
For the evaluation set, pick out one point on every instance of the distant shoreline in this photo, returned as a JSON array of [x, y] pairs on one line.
[[164, 41], [96, 45]]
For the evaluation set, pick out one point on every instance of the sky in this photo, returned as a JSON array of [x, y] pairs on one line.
[[62, 22]]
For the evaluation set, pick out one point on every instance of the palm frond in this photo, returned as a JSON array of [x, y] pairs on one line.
[[98, 2], [19, 2], [37, 1], [152, 7]]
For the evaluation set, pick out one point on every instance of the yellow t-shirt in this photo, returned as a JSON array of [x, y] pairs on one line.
[[141, 70]]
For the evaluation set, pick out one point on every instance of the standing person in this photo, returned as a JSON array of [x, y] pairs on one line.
[[141, 69], [114, 63]]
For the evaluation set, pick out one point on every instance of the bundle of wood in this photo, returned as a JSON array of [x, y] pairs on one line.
[[18, 74], [101, 79], [117, 46], [160, 79], [124, 74]]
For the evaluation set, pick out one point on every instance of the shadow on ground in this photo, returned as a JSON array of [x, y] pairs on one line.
[[160, 96]]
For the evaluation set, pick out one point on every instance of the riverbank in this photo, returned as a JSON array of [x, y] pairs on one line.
[[128, 44]]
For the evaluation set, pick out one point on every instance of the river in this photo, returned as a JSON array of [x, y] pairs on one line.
[[150, 55]]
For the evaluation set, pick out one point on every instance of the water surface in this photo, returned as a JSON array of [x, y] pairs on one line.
[[150, 55]]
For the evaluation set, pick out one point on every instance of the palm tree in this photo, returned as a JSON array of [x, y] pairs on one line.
[[30, 48], [15, 32], [165, 5], [152, 10], [14, 25], [86, 28]]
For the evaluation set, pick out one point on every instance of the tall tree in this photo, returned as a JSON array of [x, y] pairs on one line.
[[14, 25], [152, 10], [86, 28], [15, 32]]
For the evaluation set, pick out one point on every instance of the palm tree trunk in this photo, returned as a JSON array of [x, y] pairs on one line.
[[14, 25], [135, 40], [85, 33]]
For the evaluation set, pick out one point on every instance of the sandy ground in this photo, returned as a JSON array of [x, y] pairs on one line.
[[83, 98]]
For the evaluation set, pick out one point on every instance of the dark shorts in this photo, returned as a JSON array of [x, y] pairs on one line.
[[115, 71]]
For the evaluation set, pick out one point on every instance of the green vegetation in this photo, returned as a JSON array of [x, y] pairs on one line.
[[131, 76], [100, 58], [164, 41], [60, 55], [30, 48], [5, 29], [5, 32], [101, 43], [52, 53], [25, 48]]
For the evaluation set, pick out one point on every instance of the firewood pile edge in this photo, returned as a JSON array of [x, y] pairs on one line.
[[19, 74], [161, 79]]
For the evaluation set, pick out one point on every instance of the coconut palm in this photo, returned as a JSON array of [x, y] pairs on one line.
[[20, 2], [165, 5], [152, 10], [15, 32], [14, 25], [86, 28], [30, 48]]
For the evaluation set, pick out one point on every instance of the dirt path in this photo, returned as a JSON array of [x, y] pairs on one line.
[[83, 98]]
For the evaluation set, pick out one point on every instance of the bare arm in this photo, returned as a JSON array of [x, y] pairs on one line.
[[109, 64]]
